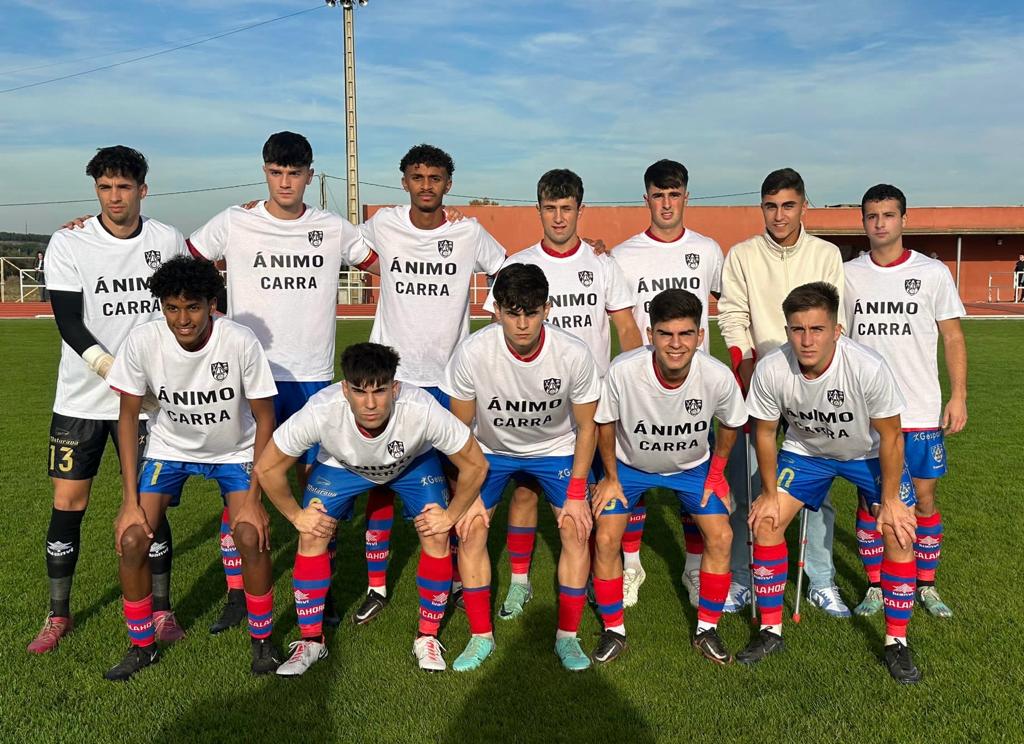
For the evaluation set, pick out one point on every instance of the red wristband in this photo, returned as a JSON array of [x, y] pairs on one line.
[[715, 482], [577, 490]]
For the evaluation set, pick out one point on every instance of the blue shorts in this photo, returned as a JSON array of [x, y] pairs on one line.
[[169, 476], [808, 479], [688, 486], [440, 396], [551, 473], [291, 396], [420, 484], [925, 453]]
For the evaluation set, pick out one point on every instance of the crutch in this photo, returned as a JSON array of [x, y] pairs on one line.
[[800, 564], [750, 535]]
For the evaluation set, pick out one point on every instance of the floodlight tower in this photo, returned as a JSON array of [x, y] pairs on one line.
[[351, 151]]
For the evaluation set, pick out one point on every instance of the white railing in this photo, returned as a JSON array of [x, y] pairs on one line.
[[27, 283], [1004, 281]]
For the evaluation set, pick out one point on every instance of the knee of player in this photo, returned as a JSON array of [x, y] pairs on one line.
[[475, 539], [135, 543], [246, 537], [308, 544], [524, 497], [608, 539], [718, 537], [766, 534]]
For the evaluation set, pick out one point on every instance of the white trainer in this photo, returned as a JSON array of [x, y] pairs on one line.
[[691, 583], [304, 654], [428, 650], [738, 597], [632, 578]]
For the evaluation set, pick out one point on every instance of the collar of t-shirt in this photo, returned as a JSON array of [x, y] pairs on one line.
[[534, 355], [656, 239], [444, 220], [555, 254], [136, 233], [903, 258], [667, 384]]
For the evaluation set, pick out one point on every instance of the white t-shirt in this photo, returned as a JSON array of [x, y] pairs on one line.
[[113, 276], [894, 310], [693, 263], [523, 408], [204, 394], [425, 276], [661, 429], [282, 280], [829, 416], [584, 288], [417, 424]]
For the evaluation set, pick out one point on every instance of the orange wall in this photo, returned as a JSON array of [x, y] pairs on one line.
[[981, 227]]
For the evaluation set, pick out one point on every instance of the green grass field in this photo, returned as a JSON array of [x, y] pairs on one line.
[[828, 686]]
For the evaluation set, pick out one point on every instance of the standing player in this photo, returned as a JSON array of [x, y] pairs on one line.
[[532, 390], [426, 265], [216, 413], [654, 418], [843, 405], [757, 275], [899, 302], [283, 259], [98, 280], [586, 291], [383, 432], [667, 255]]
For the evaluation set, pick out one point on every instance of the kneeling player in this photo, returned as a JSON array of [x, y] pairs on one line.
[[214, 387], [842, 404], [654, 419], [371, 431], [532, 389]]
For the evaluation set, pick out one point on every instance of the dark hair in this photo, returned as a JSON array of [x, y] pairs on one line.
[[881, 192], [784, 178], [666, 174], [288, 149], [675, 304], [520, 287], [560, 183], [810, 296], [184, 276], [428, 155], [369, 364], [118, 161]]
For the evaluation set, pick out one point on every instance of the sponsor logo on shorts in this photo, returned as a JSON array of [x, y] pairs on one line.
[[396, 448], [693, 406], [836, 397], [445, 248], [429, 480], [938, 453], [316, 237], [586, 278], [314, 501], [913, 286], [321, 481], [153, 259], [552, 385], [564, 473], [904, 491], [58, 548], [693, 260], [219, 370]]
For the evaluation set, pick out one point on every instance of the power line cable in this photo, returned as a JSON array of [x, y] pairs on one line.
[[148, 196], [197, 42]]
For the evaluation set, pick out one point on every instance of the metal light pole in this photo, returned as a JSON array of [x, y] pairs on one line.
[[351, 151]]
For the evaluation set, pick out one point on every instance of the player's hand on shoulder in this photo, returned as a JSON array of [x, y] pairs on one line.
[[129, 515], [315, 521], [607, 492], [476, 510], [250, 204], [597, 245], [453, 214], [433, 520], [77, 222]]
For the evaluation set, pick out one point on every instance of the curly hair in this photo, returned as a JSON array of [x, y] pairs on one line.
[[184, 276], [118, 160], [430, 156]]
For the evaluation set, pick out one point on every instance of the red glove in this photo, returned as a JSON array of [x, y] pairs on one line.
[[715, 482]]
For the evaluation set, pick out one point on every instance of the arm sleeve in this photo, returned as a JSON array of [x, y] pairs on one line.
[[608, 406], [128, 375], [948, 304], [257, 379], [68, 309], [882, 394], [761, 401], [299, 432], [715, 278], [586, 385], [734, 307], [731, 410], [619, 294], [211, 240], [836, 277], [458, 378], [444, 431], [489, 254], [356, 248]]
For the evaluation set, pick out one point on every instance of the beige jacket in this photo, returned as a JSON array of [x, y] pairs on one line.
[[756, 277]]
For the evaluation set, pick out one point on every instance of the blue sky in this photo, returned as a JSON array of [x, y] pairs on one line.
[[926, 95]]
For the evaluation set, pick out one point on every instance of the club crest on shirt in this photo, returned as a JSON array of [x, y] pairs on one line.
[[836, 397], [586, 278], [912, 286], [693, 406], [693, 260], [219, 370], [316, 237], [396, 448], [552, 385], [153, 259], [445, 248]]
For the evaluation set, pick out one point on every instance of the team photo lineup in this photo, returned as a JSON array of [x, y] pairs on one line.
[[213, 356]]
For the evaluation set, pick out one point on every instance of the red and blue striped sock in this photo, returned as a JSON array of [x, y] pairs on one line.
[[380, 518], [692, 539], [138, 616], [899, 581], [770, 572], [634, 533], [520, 542], [229, 556], [608, 593], [433, 581], [928, 548], [714, 588], [261, 613], [869, 546], [478, 609], [571, 600], [310, 580]]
